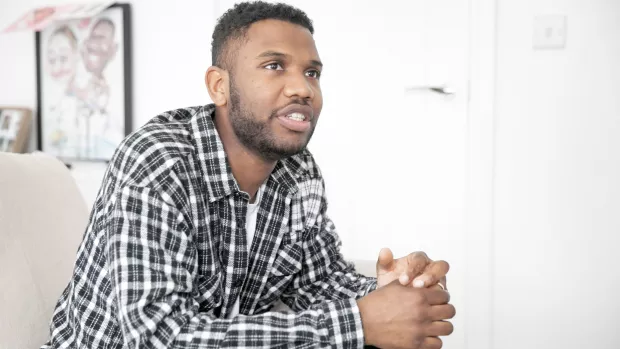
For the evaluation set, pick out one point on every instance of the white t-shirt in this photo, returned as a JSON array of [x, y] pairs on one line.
[[250, 228]]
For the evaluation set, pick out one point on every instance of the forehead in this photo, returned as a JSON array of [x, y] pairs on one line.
[[279, 36]]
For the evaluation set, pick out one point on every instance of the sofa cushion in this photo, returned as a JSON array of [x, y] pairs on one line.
[[42, 220]]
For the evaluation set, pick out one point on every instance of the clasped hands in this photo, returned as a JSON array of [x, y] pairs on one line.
[[409, 309]]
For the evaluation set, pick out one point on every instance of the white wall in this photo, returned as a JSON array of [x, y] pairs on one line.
[[557, 189]]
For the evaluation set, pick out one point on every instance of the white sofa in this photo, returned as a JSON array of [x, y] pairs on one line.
[[42, 219]]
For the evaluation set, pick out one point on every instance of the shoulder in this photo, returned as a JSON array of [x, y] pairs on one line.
[[147, 156]]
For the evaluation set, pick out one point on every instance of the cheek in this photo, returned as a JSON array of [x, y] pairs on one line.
[[317, 103], [265, 90], [260, 98]]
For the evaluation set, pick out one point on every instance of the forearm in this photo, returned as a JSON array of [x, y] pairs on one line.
[[348, 282], [336, 280], [333, 324], [326, 274]]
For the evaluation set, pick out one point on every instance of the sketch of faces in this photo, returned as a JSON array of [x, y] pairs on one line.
[[62, 55], [99, 47]]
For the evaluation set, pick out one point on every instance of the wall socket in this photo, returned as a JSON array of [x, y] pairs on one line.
[[550, 32]]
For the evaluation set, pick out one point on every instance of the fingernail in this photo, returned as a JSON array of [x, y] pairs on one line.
[[418, 283], [404, 279]]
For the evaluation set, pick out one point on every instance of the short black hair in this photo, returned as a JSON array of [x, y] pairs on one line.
[[235, 23]]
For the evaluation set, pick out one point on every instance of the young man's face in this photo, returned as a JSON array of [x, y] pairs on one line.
[[275, 95]]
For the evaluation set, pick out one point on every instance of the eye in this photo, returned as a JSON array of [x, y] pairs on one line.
[[274, 66], [315, 74]]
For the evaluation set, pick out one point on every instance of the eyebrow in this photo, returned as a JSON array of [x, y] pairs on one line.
[[276, 54]]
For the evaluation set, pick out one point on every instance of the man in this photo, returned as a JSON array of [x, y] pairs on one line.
[[98, 49], [208, 216], [93, 122]]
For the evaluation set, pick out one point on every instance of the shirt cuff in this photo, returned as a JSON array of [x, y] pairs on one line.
[[344, 324], [372, 286]]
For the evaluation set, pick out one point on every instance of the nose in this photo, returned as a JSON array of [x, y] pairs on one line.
[[297, 85]]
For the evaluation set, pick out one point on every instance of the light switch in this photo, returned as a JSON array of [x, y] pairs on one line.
[[549, 32]]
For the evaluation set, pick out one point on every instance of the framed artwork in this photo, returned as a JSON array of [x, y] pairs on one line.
[[84, 85], [14, 129]]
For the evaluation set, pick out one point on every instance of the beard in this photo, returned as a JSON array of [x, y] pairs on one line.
[[256, 134]]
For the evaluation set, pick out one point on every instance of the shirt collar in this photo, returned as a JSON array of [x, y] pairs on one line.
[[216, 169]]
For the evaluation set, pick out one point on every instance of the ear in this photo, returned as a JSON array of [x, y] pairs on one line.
[[216, 80]]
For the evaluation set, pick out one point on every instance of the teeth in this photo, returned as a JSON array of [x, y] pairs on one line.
[[297, 116]]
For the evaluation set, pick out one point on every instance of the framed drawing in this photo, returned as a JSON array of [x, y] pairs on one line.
[[14, 129], [84, 85]]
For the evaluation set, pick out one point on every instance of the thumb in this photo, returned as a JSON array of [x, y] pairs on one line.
[[386, 260]]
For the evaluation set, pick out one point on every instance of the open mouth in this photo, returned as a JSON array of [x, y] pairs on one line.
[[296, 117]]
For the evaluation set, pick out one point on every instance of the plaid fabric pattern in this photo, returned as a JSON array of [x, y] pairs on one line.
[[165, 256]]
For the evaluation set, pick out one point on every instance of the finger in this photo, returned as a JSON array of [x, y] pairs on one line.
[[437, 296], [440, 328], [386, 260], [432, 274], [442, 312], [417, 262], [438, 287], [432, 343]]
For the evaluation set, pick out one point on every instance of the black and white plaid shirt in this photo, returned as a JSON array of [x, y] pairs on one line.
[[165, 256]]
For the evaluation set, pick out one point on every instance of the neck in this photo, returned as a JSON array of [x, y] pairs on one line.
[[249, 169]]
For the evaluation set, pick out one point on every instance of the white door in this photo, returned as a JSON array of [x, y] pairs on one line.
[[394, 161]]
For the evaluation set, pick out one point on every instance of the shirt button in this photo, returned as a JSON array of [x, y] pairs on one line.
[[238, 283]]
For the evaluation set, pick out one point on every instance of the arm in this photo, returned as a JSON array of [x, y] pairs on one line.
[[152, 262], [325, 275]]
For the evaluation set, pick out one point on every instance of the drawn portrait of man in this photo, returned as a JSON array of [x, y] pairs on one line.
[[83, 89]]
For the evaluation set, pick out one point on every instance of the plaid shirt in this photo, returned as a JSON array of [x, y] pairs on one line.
[[165, 256]]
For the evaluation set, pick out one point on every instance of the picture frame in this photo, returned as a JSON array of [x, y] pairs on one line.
[[84, 85], [14, 128]]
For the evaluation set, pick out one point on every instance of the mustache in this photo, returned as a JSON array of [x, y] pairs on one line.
[[297, 101]]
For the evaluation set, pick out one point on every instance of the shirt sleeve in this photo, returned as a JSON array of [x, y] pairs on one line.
[[151, 265], [325, 274]]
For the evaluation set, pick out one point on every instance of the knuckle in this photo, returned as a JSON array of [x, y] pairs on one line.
[[419, 314], [420, 298], [422, 253], [419, 256]]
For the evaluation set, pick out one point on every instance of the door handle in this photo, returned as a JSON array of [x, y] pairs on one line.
[[444, 90]]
